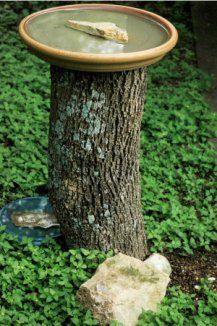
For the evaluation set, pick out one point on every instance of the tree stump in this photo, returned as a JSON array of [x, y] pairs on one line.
[[93, 161]]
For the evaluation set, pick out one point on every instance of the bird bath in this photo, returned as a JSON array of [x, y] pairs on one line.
[[97, 97], [36, 205], [46, 35]]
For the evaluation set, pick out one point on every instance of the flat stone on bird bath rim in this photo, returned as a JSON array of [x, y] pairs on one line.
[[47, 35]]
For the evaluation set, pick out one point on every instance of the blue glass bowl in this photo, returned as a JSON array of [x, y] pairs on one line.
[[32, 204]]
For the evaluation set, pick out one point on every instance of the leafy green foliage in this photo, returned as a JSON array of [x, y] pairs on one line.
[[180, 309], [38, 284], [177, 162], [38, 287], [24, 102]]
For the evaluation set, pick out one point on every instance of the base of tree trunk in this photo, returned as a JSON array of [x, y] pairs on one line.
[[94, 141]]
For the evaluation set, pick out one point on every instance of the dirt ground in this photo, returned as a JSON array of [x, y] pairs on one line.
[[188, 270]]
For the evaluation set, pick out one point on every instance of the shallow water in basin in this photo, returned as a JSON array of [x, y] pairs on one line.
[[51, 29]]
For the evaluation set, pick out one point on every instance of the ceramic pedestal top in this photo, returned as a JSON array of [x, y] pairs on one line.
[[47, 35]]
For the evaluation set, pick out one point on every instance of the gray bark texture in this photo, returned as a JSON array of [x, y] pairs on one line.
[[93, 163]]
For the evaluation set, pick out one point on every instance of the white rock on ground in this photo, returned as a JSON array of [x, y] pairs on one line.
[[122, 286]]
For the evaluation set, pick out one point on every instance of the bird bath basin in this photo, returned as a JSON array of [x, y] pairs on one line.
[[31, 204], [48, 36], [97, 98]]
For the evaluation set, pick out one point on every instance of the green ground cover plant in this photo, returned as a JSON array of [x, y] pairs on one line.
[[177, 171], [38, 286], [180, 308], [177, 161]]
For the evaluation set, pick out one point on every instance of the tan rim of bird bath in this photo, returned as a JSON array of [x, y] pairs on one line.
[[96, 61]]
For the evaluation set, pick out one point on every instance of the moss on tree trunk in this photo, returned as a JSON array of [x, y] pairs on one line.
[[94, 143]]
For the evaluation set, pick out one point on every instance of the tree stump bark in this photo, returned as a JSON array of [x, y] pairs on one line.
[[93, 161]]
